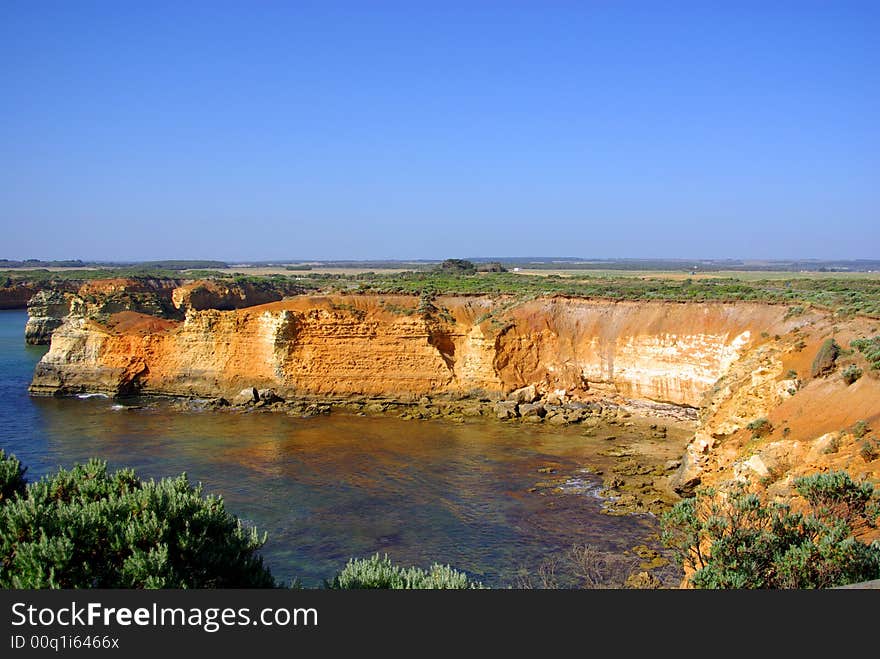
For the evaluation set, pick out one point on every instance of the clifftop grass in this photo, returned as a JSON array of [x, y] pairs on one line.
[[842, 296]]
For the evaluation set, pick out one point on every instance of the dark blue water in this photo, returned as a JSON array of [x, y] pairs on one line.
[[329, 488]]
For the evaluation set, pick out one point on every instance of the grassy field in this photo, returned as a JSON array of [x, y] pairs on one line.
[[845, 293]]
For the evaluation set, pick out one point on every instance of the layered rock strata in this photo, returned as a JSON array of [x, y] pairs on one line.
[[746, 368], [385, 347]]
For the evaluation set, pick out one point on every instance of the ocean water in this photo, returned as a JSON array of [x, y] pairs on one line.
[[329, 488]]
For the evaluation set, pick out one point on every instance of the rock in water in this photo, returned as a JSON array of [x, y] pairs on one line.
[[246, 396], [505, 409], [524, 395]]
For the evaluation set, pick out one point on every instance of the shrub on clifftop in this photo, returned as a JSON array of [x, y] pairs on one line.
[[87, 528], [738, 541]]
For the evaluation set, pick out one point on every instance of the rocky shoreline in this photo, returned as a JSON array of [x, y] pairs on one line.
[[524, 405]]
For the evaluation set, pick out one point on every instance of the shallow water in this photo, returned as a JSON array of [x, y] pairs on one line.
[[328, 488]]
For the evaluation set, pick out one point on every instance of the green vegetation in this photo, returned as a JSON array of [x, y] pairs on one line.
[[376, 572], [457, 267], [870, 348], [868, 449], [739, 541], [456, 276], [12, 481], [760, 427], [88, 528], [825, 360], [860, 428], [851, 373]]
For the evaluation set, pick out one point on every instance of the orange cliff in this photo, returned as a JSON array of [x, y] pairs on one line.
[[736, 362], [383, 346]]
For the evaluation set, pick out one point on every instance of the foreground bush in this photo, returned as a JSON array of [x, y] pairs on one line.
[[87, 528], [12, 480], [376, 572], [738, 541]]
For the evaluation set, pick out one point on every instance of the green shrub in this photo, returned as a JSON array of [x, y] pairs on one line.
[[738, 541], [851, 373], [825, 359], [868, 450], [87, 528], [12, 479], [760, 427], [376, 572], [860, 428], [870, 348]]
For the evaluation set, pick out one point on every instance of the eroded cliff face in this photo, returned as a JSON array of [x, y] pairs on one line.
[[46, 312], [811, 424], [98, 299], [387, 347], [738, 363], [161, 297]]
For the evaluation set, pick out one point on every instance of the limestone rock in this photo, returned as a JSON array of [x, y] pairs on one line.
[[823, 445], [505, 409], [527, 394], [532, 411], [245, 396], [46, 312], [269, 396]]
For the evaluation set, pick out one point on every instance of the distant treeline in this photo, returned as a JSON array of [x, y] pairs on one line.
[[133, 265]]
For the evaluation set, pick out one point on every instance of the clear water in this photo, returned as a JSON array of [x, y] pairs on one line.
[[328, 488]]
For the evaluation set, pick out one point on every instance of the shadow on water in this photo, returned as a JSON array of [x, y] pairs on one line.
[[328, 488]]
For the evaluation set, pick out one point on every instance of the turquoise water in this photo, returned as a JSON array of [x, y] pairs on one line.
[[328, 488]]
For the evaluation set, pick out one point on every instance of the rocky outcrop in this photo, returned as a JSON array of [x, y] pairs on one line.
[[102, 298], [768, 420], [226, 296], [96, 299], [46, 312], [161, 297], [15, 293]]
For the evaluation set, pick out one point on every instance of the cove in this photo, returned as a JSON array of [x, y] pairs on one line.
[[331, 487]]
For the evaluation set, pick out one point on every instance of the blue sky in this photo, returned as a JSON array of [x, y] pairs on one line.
[[328, 130]]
